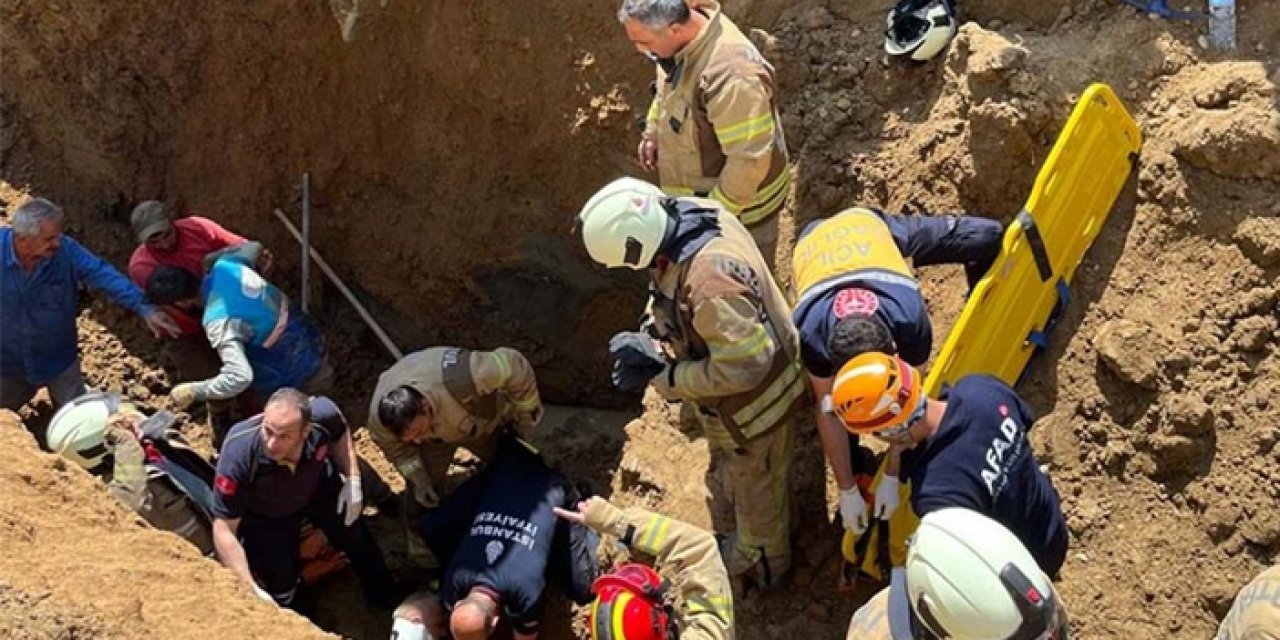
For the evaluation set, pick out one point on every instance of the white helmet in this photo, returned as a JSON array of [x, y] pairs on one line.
[[77, 429], [920, 29], [624, 223], [969, 578]]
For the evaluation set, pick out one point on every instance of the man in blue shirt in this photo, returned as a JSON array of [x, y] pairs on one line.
[[856, 292], [295, 460], [264, 342], [40, 272], [967, 449]]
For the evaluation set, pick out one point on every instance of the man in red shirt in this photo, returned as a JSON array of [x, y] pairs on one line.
[[183, 243]]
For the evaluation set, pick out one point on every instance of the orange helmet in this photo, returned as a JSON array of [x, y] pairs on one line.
[[876, 392], [629, 606]]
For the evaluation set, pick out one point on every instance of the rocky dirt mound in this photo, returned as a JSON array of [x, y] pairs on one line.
[[77, 565], [1156, 395]]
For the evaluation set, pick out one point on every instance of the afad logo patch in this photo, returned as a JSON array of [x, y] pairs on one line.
[[854, 302], [226, 486], [322, 452]]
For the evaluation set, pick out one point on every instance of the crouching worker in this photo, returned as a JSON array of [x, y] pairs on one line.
[[294, 461], [144, 462], [264, 343], [967, 448], [967, 577], [631, 602], [500, 541]]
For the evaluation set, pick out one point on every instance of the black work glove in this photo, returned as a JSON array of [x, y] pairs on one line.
[[636, 360]]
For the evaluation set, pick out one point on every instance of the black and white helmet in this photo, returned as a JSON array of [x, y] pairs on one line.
[[920, 29]]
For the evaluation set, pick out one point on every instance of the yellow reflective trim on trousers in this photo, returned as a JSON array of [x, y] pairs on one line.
[[768, 408], [652, 114], [757, 343], [719, 196], [768, 200], [742, 131]]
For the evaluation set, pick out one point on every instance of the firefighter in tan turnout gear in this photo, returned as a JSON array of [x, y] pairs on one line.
[[733, 349], [630, 601], [433, 401], [712, 128]]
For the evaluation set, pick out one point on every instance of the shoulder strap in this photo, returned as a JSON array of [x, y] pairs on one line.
[[455, 372]]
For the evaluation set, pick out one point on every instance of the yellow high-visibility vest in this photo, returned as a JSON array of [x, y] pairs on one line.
[[853, 245]]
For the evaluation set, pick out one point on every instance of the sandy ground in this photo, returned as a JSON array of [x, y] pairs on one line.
[[1155, 397]]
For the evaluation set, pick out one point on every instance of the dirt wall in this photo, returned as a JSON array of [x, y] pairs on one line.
[[63, 539], [450, 144]]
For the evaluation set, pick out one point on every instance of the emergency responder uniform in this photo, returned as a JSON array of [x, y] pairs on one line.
[[158, 476], [721, 313], [706, 596], [471, 396], [1255, 614], [980, 459], [271, 499], [498, 533], [966, 576], [714, 117], [856, 262], [733, 350]]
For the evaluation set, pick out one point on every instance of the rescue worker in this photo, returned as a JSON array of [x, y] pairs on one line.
[[856, 293], [182, 243], [263, 341], [968, 448], [435, 400], [41, 270], [966, 578], [501, 543], [630, 601], [1255, 614], [715, 305], [100, 432], [294, 461], [712, 129]]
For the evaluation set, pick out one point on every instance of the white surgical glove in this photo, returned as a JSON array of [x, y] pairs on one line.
[[886, 497], [853, 510], [350, 500]]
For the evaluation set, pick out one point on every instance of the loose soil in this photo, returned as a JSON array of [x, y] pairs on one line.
[[451, 144]]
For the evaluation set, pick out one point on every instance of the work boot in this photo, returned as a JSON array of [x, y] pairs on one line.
[[755, 569]]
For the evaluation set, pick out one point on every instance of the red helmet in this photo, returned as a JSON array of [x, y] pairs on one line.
[[629, 606]]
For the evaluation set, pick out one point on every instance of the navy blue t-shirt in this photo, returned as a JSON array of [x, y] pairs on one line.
[[496, 531], [249, 482], [900, 308], [980, 459]]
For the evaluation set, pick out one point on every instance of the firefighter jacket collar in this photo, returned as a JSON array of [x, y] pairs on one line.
[[710, 33], [695, 227]]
